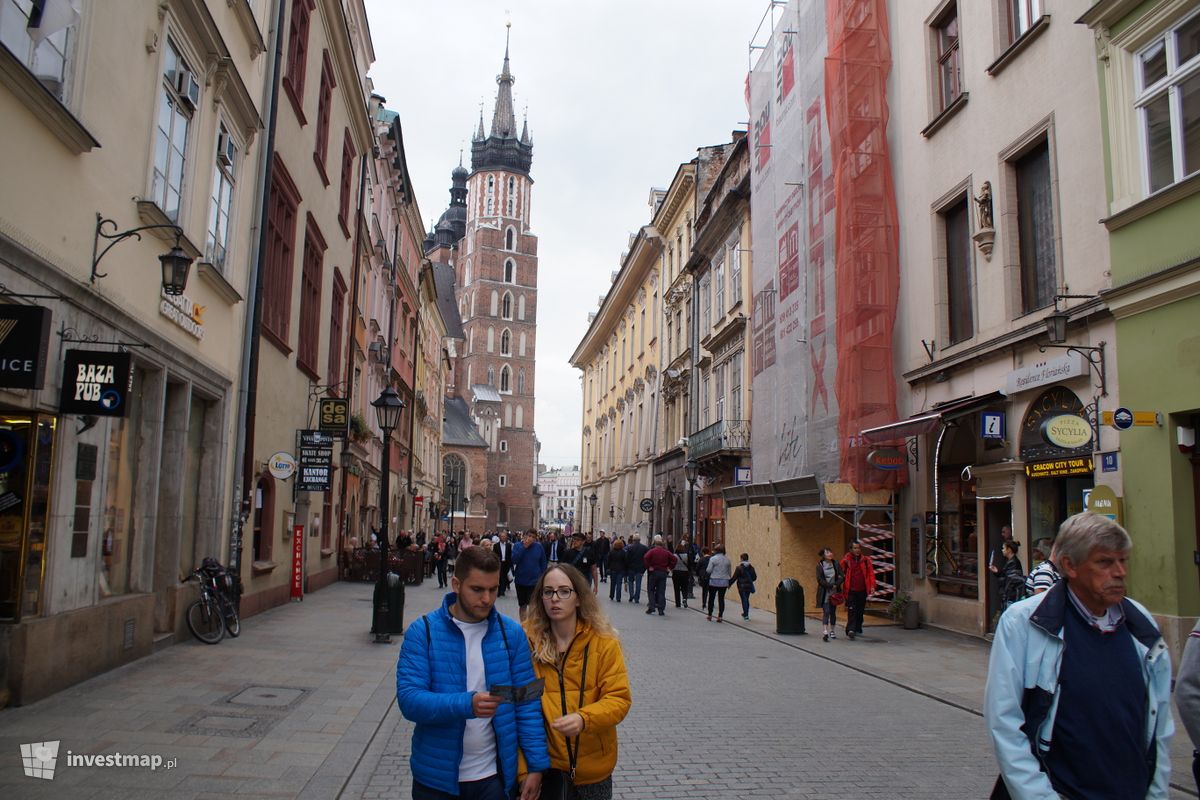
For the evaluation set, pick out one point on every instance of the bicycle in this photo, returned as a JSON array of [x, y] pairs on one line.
[[214, 614]]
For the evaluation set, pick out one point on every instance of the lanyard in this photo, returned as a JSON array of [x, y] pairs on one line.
[[572, 749]]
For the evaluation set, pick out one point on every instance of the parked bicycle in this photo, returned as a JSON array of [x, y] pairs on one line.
[[214, 614]]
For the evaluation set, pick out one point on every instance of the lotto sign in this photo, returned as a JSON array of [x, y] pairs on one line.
[[96, 383], [297, 562]]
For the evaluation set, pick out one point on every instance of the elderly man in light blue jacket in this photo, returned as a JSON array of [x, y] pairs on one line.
[[1078, 699]]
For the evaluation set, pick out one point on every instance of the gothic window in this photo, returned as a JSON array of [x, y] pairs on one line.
[[491, 196], [506, 306], [521, 381], [505, 379], [512, 193], [509, 239], [505, 342], [521, 307], [491, 376], [455, 469], [510, 271], [521, 345], [491, 340], [495, 302], [507, 416], [520, 416]]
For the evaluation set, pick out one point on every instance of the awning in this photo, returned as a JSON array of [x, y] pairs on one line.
[[928, 421]]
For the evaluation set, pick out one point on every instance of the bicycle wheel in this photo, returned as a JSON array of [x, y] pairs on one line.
[[233, 625], [204, 621]]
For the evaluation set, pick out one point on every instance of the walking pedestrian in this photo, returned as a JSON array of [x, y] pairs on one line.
[[719, 573], [681, 572], [1009, 575], [503, 549], [554, 548], [617, 567], [441, 557], [659, 563], [602, 547], [577, 653], [1187, 696], [1078, 697], [859, 582], [529, 562], [635, 562], [744, 576], [829, 593], [447, 662], [702, 575], [1042, 577]]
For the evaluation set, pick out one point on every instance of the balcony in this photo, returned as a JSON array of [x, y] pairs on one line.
[[726, 435]]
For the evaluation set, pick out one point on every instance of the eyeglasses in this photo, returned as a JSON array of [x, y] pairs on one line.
[[563, 593]]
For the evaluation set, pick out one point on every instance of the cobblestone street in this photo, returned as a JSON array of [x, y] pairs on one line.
[[302, 705]]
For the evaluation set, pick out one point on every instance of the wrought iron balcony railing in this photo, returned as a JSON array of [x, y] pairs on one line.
[[725, 434]]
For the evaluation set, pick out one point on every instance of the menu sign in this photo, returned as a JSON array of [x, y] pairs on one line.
[[24, 344], [315, 463]]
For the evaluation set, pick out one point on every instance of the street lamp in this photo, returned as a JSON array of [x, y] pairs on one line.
[[387, 413], [690, 470], [452, 485], [175, 263], [593, 500]]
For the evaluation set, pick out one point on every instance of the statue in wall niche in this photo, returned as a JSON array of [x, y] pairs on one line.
[[984, 201]]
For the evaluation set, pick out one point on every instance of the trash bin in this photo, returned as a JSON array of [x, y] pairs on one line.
[[789, 607], [395, 604]]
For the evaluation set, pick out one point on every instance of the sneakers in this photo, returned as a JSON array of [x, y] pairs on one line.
[[825, 636], [685, 604], [720, 620], [850, 635], [649, 610], [833, 634], [746, 617], [662, 613], [709, 618]]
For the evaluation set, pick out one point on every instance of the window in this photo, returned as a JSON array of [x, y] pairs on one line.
[[324, 107], [521, 345], [495, 303], [491, 196], [336, 311], [1021, 16], [508, 239], [521, 307], [521, 381], [1168, 103], [956, 229], [735, 386], [510, 271], [217, 239], [506, 306], [507, 416], [1035, 228], [520, 416], [503, 482], [297, 55], [491, 340], [505, 342], [670, 339], [491, 373], [310, 299], [454, 470], [719, 373], [705, 305], [347, 172], [512, 196], [23, 30], [642, 332], [503, 445], [171, 133], [735, 272], [505, 379], [264, 517], [949, 57], [704, 399], [281, 242], [654, 316]]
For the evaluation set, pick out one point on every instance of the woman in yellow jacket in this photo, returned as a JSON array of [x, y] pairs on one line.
[[576, 651]]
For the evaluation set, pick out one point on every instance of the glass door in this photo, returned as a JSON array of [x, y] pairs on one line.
[[26, 456]]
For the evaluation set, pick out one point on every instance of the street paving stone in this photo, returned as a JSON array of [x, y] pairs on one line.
[[303, 705]]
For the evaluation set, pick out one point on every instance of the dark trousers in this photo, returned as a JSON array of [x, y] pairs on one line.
[[680, 581], [656, 586], [441, 572], [856, 603], [635, 586], [614, 586], [829, 615], [717, 593], [505, 566], [704, 593], [487, 789], [603, 568], [745, 594]]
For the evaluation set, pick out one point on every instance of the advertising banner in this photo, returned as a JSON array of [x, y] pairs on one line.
[[96, 382], [297, 562], [315, 463]]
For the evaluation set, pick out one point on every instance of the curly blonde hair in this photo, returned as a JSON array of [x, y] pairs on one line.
[[541, 637]]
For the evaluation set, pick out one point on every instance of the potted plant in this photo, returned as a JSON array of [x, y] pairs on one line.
[[906, 611], [359, 430]]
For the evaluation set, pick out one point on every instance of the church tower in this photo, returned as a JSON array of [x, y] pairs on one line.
[[495, 267]]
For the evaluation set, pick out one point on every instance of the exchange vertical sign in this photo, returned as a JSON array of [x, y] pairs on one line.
[[315, 463], [297, 562]]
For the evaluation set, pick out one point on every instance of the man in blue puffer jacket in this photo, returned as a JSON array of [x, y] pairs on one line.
[[466, 739]]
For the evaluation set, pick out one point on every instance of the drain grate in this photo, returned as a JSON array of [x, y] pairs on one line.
[[277, 698], [236, 725]]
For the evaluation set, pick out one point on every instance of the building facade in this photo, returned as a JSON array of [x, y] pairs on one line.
[[558, 497]]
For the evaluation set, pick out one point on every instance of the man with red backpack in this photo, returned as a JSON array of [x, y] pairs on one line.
[[859, 582]]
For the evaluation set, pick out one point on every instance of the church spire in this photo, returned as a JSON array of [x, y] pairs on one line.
[[504, 122]]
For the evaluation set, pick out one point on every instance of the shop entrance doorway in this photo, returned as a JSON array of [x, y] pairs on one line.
[[997, 522]]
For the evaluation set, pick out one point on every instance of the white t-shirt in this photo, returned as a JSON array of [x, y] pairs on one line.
[[479, 739]]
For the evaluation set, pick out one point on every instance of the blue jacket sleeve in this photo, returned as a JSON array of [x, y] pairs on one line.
[[414, 685], [543, 560], [531, 731]]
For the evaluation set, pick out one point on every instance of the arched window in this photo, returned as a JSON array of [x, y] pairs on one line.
[[471, 341], [491, 376], [491, 340], [467, 274], [509, 239], [520, 416], [495, 302], [506, 306], [521, 307], [512, 194], [521, 346], [491, 196], [264, 517], [521, 381], [455, 469], [510, 271], [507, 416], [502, 514], [505, 342], [505, 379]]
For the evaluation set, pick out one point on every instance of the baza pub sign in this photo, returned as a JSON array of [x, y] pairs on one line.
[[24, 345], [96, 382]]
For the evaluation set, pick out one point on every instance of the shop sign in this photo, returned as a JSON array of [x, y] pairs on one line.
[[96, 382], [1103, 500], [297, 562], [418, 501], [24, 346], [886, 458], [1123, 419], [281, 465], [1060, 467], [315, 462], [185, 313], [333, 415], [1067, 431], [1044, 373]]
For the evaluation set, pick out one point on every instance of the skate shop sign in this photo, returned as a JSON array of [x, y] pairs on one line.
[[96, 382], [315, 463]]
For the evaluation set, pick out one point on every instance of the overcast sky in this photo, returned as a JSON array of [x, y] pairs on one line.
[[619, 93]]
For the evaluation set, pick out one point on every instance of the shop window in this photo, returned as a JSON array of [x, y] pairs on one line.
[[952, 529], [122, 479], [27, 445], [264, 517], [1058, 475]]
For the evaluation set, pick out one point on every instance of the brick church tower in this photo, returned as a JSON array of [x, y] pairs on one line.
[[494, 258]]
